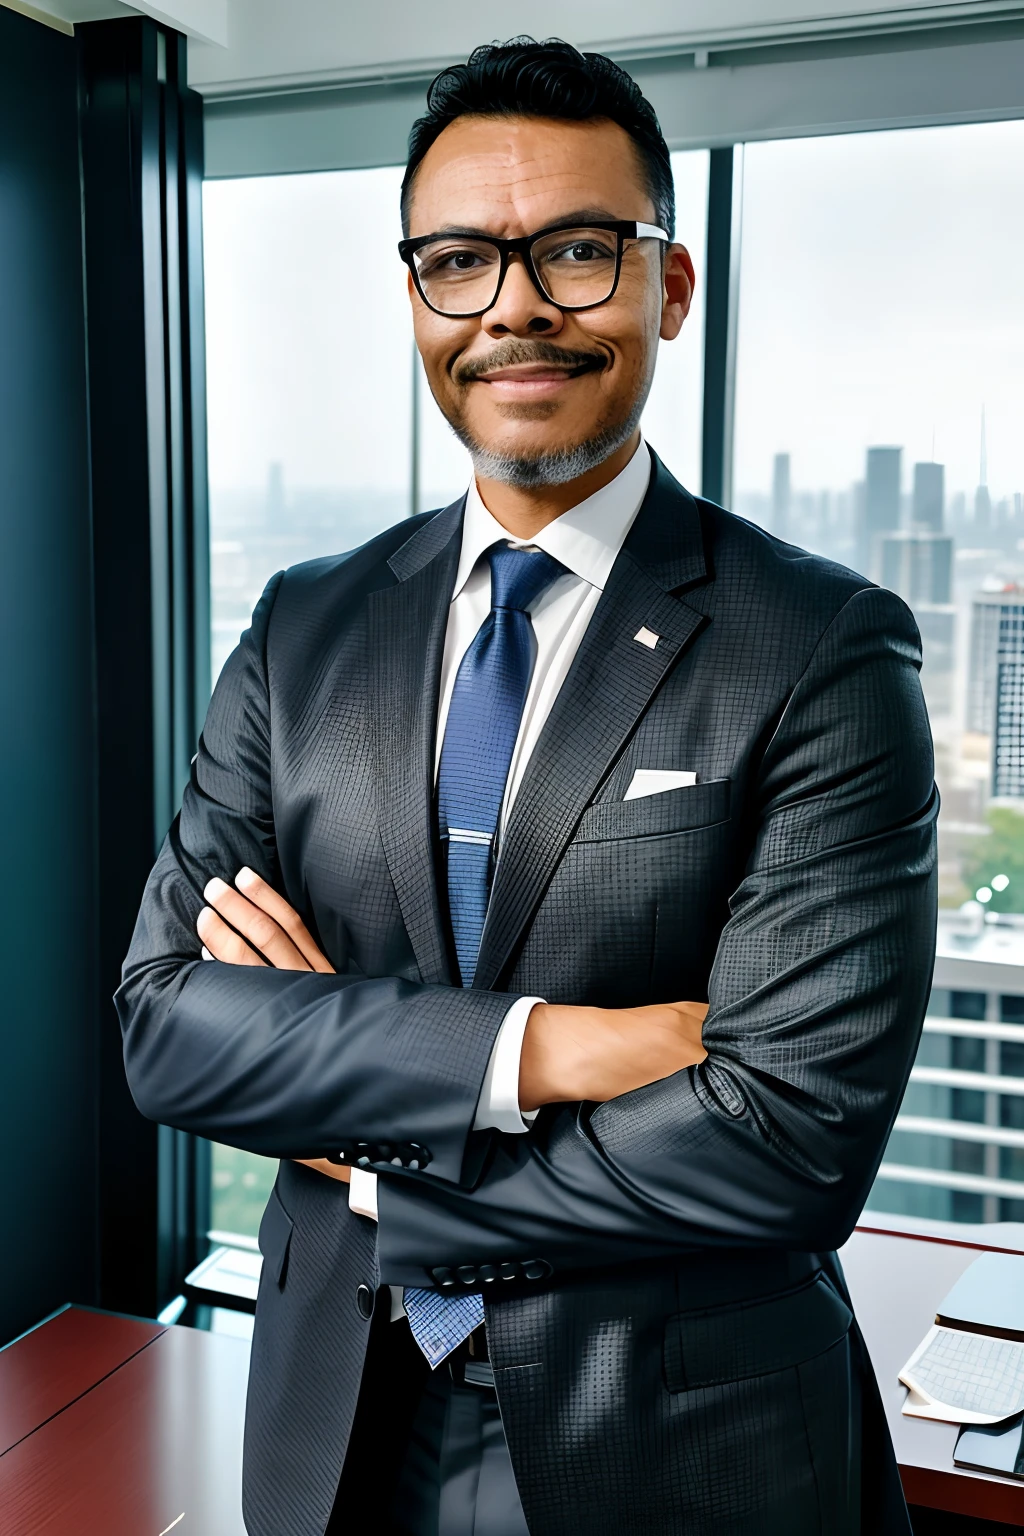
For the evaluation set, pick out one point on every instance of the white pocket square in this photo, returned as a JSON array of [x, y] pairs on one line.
[[655, 781]]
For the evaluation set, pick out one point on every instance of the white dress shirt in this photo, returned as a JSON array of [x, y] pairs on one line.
[[586, 540]]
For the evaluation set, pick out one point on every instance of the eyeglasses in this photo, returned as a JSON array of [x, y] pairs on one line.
[[574, 266]]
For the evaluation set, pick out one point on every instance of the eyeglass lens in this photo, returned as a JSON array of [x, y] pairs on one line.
[[459, 275]]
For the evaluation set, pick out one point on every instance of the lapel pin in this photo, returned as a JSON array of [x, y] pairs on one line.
[[647, 637]]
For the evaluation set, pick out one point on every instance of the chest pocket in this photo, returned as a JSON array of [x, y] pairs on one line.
[[674, 810]]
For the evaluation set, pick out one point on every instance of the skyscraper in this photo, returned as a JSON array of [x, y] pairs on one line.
[[995, 685], [881, 504], [982, 496], [782, 495], [917, 565], [929, 498]]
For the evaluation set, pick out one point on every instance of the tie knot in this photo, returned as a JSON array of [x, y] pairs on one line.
[[519, 576]]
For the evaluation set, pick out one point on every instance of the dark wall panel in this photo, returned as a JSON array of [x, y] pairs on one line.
[[47, 740]]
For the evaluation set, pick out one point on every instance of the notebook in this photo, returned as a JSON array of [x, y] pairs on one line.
[[999, 1450]]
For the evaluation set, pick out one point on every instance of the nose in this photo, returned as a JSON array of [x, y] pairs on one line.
[[519, 310]]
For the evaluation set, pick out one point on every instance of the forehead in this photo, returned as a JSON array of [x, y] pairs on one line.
[[512, 175]]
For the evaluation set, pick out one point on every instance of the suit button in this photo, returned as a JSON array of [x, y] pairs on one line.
[[536, 1269], [508, 1271], [487, 1273], [444, 1278], [364, 1302], [467, 1274]]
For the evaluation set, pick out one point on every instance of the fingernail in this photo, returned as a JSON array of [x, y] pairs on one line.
[[246, 876], [215, 888], [206, 953], [204, 914]]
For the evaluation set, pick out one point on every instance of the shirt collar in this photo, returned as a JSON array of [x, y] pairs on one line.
[[586, 539]]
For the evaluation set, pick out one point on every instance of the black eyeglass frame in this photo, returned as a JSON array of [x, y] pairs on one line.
[[623, 229]]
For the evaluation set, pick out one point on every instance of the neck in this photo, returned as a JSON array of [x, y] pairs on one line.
[[523, 513]]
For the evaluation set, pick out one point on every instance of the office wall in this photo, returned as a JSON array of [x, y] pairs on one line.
[[47, 947]]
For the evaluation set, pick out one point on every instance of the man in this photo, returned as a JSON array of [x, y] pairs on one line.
[[487, 814]]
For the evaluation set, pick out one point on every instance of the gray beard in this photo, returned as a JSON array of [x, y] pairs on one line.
[[556, 468]]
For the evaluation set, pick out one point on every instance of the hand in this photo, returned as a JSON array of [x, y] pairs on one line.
[[276, 936], [254, 912], [597, 1053]]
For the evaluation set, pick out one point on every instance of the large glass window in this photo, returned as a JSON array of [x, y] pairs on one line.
[[309, 376], [879, 386], [309, 382]]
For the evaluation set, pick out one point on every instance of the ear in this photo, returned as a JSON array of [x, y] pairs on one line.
[[677, 291]]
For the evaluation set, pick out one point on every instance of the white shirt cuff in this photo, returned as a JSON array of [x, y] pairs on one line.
[[498, 1106], [362, 1193]]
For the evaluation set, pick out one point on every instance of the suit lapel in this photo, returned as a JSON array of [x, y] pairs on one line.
[[610, 684], [406, 626]]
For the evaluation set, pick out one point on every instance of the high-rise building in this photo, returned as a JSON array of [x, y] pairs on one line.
[[917, 565], [929, 496], [782, 493], [881, 504], [995, 683], [1008, 747]]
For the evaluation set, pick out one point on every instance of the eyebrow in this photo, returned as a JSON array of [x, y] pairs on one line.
[[574, 216]]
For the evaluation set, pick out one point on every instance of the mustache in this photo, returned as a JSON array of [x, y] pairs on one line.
[[508, 353]]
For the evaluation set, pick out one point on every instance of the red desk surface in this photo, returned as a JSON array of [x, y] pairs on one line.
[[48, 1368], [897, 1284], [155, 1445]]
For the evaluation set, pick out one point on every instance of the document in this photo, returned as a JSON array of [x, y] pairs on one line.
[[964, 1378], [969, 1368]]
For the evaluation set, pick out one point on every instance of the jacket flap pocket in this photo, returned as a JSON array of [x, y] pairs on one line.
[[723, 1344], [674, 810], [275, 1237]]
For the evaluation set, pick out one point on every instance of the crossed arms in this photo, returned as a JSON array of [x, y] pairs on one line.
[[772, 1138]]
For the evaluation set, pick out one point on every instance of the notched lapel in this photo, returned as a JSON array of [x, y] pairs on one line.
[[610, 684], [405, 633]]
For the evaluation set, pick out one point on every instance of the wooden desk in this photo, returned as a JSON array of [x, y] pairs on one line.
[[897, 1284], [117, 1426]]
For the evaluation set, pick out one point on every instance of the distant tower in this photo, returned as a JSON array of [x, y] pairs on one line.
[[782, 495], [929, 498], [275, 495], [982, 498], [881, 503]]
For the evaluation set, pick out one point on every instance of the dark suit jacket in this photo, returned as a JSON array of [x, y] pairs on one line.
[[668, 1351]]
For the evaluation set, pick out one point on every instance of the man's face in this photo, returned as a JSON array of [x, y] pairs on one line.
[[525, 380]]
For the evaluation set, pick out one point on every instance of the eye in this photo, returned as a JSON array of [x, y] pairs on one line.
[[452, 260], [577, 252]]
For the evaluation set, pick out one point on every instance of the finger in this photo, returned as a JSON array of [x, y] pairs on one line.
[[260, 930], [322, 1165], [268, 900], [222, 942]]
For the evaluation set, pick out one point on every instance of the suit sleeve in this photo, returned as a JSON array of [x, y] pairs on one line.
[[278, 1062], [817, 995]]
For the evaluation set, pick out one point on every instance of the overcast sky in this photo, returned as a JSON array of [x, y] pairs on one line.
[[881, 302]]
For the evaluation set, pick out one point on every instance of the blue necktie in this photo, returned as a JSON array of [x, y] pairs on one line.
[[480, 737]]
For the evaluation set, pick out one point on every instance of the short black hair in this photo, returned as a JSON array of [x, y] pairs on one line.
[[524, 78]]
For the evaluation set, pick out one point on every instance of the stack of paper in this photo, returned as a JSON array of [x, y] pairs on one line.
[[969, 1368]]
